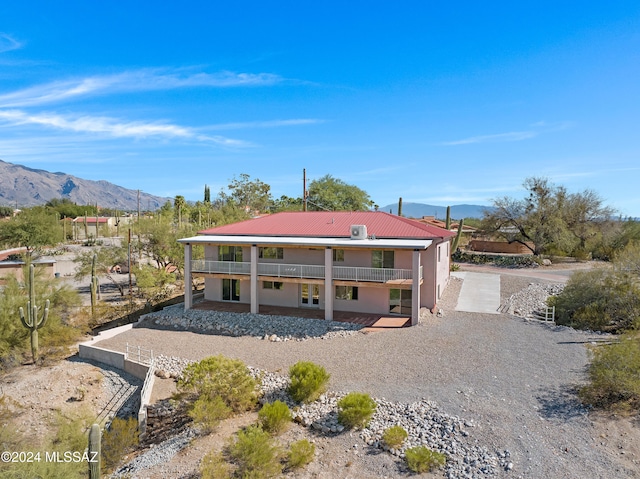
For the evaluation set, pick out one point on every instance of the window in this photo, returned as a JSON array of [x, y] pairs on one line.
[[272, 285], [382, 259], [271, 253], [230, 253], [338, 255], [230, 290], [400, 301], [347, 292]]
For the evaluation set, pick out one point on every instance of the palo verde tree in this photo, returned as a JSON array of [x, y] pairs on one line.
[[33, 228], [333, 194], [105, 258], [548, 217], [249, 195]]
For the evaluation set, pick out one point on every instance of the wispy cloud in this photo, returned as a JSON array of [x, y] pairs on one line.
[[264, 124], [113, 127], [8, 43], [497, 138], [137, 80]]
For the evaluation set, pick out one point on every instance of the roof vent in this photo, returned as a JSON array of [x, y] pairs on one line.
[[358, 232]]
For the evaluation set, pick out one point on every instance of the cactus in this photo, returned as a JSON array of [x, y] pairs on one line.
[[400, 206], [31, 322], [456, 240], [447, 223], [95, 286], [94, 452]]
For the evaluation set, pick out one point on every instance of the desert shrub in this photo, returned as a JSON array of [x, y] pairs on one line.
[[255, 454], [213, 466], [275, 417], [394, 436], [70, 430], [207, 413], [422, 459], [220, 376], [308, 381], [300, 454], [356, 409], [614, 375], [600, 299], [118, 440]]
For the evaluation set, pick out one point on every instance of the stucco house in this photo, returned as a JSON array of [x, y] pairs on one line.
[[369, 262]]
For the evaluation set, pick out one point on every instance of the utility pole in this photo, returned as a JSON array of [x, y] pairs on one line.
[[304, 189]]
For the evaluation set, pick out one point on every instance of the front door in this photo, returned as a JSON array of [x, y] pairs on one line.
[[310, 295], [231, 290]]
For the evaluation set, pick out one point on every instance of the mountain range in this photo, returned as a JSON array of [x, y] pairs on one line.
[[418, 210], [21, 186]]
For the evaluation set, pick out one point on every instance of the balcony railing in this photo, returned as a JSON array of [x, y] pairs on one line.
[[280, 270]]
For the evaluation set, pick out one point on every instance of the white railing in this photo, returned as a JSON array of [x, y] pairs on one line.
[[280, 270], [291, 270], [376, 275], [139, 354], [226, 267]]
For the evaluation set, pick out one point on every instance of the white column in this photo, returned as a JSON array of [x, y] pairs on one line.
[[254, 279], [328, 284], [188, 280], [415, 288]]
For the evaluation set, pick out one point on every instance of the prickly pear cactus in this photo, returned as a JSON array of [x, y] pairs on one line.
[[31, 321]]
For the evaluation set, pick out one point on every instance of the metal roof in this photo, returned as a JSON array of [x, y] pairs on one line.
[[328, 224]]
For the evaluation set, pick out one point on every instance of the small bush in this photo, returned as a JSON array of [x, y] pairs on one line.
[[356, 409], [213, 466], [207, 413], [255, 454], [308, 381], [120, 439], [394, 436], [422, 459], [275, 417], [300, 454], [614, 375], [220, 376]]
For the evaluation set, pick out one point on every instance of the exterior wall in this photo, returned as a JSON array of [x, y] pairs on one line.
[[370, 300], [443, 268], [12, 268], [499, 247], [288, 296], [429, 273]]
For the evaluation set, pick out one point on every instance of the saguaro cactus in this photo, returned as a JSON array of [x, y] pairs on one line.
[[447, 222], [456, 240], [400, 206], [31, 321], [95, 286], [94, 452]]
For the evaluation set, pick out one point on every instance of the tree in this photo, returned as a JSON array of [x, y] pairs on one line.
[[179, 206], [251, 195], [548, 217], [331, 194], [106, 258], [68, 209], [33, 228]]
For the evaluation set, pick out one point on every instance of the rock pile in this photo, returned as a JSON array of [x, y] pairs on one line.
[[532, 300], [267, 327]]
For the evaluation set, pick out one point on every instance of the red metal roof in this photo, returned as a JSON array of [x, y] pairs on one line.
[[336, 224]]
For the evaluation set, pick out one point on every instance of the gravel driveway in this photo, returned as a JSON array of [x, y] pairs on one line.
[[515, 380]]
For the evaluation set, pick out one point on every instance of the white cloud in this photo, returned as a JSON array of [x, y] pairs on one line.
[[264, 124], [497, 138], [112, 127], [137, 80], [8, 43]]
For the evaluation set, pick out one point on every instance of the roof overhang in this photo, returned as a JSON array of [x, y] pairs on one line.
[[378, 243]]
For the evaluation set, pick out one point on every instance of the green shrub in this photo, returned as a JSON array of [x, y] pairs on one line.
[[614, 375], [220, 376], [255, 454], [213, 466], [120, 439], [600, 299], [422, 459], [300, 454], [207, 413], [308, 381], [394, 436], [275, 417], [356, 409]]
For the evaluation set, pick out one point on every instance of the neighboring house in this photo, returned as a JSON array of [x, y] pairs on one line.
[[431, 220], [369, 262], [14, 267], [97, 226]]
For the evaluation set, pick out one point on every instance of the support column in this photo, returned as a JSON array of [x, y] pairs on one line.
[[254, 279], [328, 284], [188, 279], [415, 288]]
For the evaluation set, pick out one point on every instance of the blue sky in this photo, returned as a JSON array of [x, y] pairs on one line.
[[437, 102]]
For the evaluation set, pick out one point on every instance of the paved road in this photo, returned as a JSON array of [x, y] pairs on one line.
[[480, 292]]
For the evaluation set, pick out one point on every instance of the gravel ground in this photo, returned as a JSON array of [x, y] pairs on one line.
[[514, 379]]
